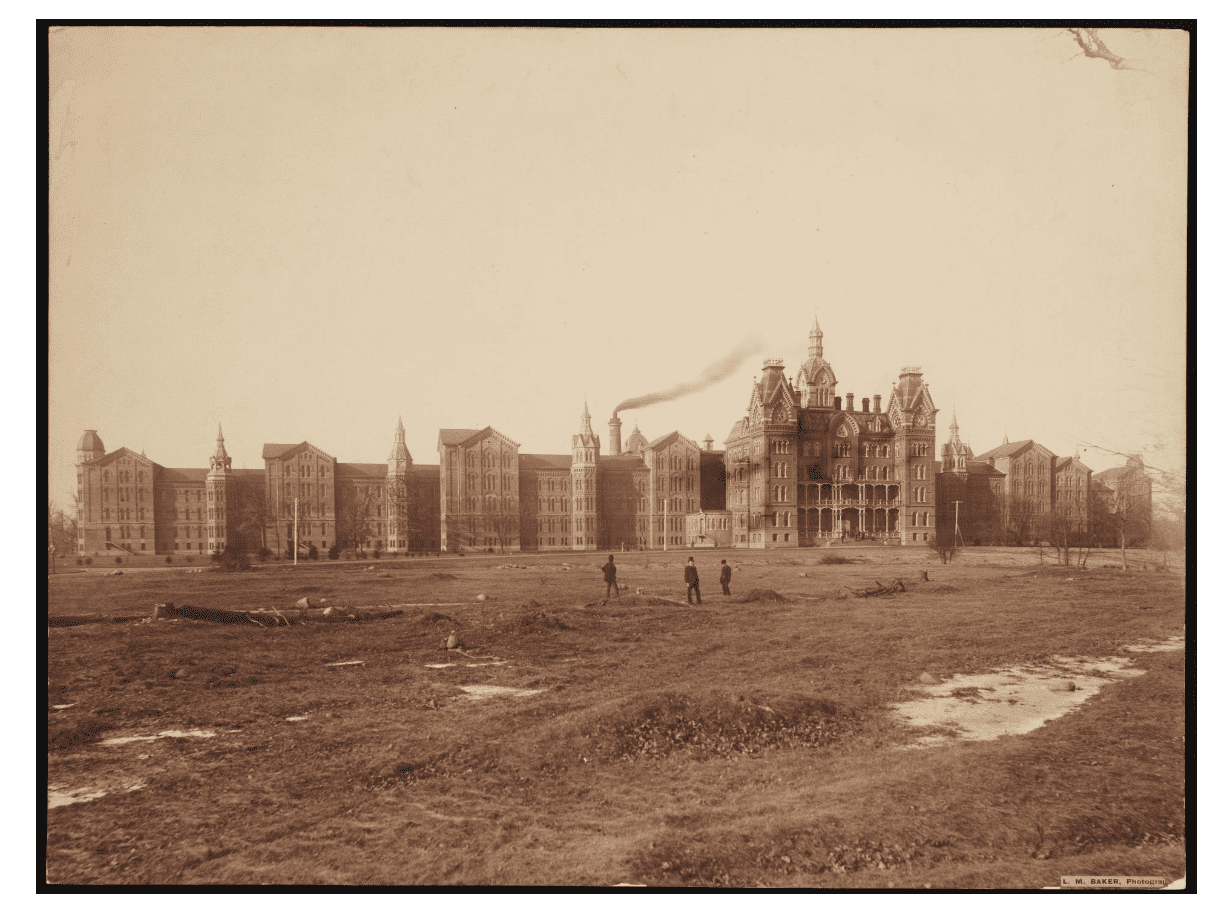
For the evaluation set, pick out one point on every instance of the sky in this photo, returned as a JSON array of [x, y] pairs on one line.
[[307, 234]]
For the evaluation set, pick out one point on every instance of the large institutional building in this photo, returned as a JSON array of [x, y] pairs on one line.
[[801, 467]]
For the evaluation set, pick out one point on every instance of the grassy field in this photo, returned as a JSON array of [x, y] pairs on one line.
[[736, 743]]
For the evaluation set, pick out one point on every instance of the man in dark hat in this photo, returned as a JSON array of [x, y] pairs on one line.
[[609, 576], [725, 577], [691, 580]]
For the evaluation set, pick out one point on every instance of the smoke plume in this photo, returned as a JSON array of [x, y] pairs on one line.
[[719, 370]]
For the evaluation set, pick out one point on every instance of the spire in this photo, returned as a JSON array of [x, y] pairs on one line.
[[954, 439], [399, 456], [585, 429], [220, 461], [1006, 439], [815, 337]]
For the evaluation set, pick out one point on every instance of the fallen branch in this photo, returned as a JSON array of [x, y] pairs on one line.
[[879, 590], [269, 617]]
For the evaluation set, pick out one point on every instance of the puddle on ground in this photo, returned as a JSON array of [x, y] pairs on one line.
[[63, 796], [195, 733], [482, 691], [1168, 645], [1010, 701]]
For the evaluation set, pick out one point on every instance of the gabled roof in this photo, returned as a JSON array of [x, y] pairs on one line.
[[459, 436], [737, 431], [983, 468], [666, 438], [1007, 449], [179, 476], [275, 450], [365, 469], [1111, 475], [532, 461], [622, 464], [122, 451]]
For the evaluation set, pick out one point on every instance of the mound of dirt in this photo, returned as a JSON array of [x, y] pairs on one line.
[[435, 617], [718, 724], [440, 576], [760, 595], [539, 620], [944, 587], [64, 737], [636, 601]]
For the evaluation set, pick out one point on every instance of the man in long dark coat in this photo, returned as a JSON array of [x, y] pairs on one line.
[[609, 576], [691, 580], [725, 577]]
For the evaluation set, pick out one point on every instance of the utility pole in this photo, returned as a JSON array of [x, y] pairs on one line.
[[957, 531], [665, 524], [295, 553]]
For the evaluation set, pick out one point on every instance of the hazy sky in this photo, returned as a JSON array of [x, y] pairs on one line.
[[303, 234]]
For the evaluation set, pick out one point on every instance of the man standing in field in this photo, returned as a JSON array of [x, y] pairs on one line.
[[691, 580], [725, 577], [609, 576]]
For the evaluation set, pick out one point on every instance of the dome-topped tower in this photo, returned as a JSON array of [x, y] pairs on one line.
[[816, 378], [90, 447], [637, 442]]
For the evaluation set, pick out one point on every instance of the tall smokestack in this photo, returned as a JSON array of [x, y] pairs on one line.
[[877, 403], [865, 401], [851, 402], [613, 436]]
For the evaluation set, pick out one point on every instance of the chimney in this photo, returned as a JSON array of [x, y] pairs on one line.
[[838, 402], [877, 403], [613, 436], [851, 402], [865, 401]]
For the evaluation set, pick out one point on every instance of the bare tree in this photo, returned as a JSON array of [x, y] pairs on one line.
[[356, 510], [503, 519], [61, 529]]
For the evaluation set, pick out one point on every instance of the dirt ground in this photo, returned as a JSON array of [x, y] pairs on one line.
[[581, 741]]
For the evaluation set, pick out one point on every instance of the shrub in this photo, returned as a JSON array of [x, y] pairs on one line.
[[168, 559], [80, 562], [264, 554], [215, 556], [333, 552], [234, 559], [119, 560], [313, 554], [376, 554], [836, 559], [188, 558], [89, 561], [290, 552]]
